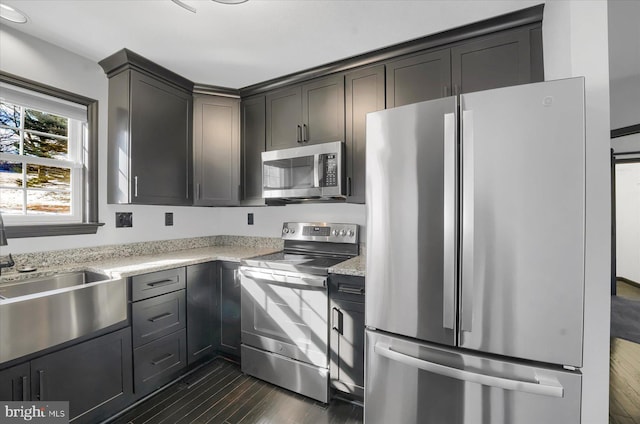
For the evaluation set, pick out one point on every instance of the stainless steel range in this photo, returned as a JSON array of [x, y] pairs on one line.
[[285, 307]]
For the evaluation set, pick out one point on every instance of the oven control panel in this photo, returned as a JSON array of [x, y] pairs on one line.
[[320, 231]]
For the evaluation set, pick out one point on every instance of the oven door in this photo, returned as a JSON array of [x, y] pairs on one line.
[[286, 313]]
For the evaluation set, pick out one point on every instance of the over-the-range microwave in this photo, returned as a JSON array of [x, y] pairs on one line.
[[305, 173]]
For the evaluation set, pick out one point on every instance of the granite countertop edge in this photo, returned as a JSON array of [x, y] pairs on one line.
[[122, 267]]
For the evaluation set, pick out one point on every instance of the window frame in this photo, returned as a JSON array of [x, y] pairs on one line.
[[89, 213]]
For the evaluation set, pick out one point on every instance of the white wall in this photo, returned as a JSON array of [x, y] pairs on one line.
[[628, 220], [576, 44]]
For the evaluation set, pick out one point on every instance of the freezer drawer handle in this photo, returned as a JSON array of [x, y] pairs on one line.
[[546, 386]]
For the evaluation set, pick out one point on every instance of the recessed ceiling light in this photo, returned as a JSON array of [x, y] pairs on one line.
[[230, 1], [12, 14]]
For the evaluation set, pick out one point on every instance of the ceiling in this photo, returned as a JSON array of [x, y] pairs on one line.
[[239, 45]]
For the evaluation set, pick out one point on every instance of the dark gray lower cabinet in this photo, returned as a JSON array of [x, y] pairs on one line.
[[94, 376], [203, 329], [15, 383], [229, 290], [159, 362], [347, 334]]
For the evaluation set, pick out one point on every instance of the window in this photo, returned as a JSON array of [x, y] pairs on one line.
[[48, 141], [40, 165]]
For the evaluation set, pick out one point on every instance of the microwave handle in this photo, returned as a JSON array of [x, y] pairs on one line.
[[318, 170]]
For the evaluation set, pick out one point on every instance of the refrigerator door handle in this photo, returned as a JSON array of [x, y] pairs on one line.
[[546, 386], [449, 221], [467, 269]]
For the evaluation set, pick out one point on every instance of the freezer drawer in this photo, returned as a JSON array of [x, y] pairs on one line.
[[409, 382]]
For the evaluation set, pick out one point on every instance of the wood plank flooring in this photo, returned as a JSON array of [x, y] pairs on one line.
[[624, 372], [220, 393]]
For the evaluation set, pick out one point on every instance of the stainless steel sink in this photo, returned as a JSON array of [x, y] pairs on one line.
[[58, 281], [39, 313]]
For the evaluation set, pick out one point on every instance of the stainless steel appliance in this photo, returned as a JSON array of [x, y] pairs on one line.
[[285, 307], [302, 173], [475, 258]]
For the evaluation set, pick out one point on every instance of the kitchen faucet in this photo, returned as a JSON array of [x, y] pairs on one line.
[[4, 263]]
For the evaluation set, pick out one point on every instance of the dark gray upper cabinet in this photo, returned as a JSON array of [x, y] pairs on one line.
[[284, 118], [306, 114], [216, 150], [203, 328], [364, 93], [253, 144], [323, 110], [418, 78], [150, 122], [493, 61]]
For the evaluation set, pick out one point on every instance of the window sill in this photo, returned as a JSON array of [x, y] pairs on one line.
[[45, 230]]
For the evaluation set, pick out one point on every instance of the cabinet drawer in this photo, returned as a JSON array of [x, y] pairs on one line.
[[159, 362], [157, 317], [157, 283], [346, 287]]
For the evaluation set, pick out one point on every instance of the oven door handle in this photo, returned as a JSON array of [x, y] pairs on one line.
[[299, 280]]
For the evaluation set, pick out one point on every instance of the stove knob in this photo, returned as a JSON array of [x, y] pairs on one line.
[[343, 233], [351, 233], [285, 230], [293, 230], [335, 232]]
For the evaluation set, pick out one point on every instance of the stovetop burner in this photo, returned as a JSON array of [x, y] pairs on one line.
[[293, 262], [310, 248]]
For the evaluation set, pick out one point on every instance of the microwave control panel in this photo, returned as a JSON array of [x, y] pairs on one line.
[[330, 171]]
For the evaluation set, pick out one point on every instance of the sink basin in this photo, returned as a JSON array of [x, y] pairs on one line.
[[39, 313], [58, 281]]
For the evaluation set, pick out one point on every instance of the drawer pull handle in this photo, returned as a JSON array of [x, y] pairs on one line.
[[161, 316], [350, 289], [163, 359], [160, 283]]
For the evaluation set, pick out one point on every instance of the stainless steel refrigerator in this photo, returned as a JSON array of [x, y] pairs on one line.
[[475, 258]]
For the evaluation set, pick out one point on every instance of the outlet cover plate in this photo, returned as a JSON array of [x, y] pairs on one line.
[[124, 219]]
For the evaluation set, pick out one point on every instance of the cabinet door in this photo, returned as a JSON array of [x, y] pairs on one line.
[[15, 383], [364, 93], [216, 145], [491, 62], [347, 346], [284, 118], [229, 289], [94, 376], [160, 141], [418, 78], [203, 328], [323, 110], [253, 144]]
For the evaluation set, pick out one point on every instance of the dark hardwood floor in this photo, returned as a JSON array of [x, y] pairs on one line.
[[624, 372], [220, 393]]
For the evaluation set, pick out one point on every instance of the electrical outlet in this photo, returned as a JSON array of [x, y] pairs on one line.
[[168, 219], [124, 219], [250, 218]]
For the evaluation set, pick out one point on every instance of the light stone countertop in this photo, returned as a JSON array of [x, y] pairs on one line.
[[142, 264], [127, 266], [354, 266]]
